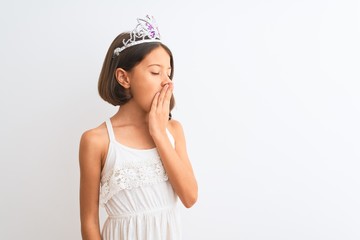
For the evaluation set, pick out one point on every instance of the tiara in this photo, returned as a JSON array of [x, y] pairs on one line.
[[145, 31]]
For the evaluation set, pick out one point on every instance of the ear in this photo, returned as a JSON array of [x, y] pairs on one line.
[[122, 77]]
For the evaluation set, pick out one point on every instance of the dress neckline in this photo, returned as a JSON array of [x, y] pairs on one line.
[[113, 139]]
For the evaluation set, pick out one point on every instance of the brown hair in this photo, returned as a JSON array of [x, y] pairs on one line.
[[109, 88]]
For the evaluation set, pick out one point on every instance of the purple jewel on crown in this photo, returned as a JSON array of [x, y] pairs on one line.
[[145, 31]]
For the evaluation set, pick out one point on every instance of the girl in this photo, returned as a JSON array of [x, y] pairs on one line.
[[135, 163]]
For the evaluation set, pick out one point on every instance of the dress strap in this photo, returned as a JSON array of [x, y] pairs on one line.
[[110, 130], [171, 138]]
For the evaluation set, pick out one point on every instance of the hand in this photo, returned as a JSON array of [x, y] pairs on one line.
[[159, 111]]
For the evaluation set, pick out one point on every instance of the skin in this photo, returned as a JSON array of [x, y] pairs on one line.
[[140, 123]]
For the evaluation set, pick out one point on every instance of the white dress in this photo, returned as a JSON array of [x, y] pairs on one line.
[[139, 200]]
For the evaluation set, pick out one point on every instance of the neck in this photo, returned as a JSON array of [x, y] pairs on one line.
[[131, 114]]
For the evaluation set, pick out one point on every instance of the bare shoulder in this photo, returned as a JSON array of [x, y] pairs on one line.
[[95, 141], [94, 136], [176, 128]]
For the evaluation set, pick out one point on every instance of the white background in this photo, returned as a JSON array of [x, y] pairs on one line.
[[267, 92]]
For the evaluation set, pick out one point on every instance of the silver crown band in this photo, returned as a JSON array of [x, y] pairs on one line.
[[145, 31], [118, 50]]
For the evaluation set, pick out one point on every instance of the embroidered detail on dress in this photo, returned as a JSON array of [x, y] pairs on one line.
[[131, 174]]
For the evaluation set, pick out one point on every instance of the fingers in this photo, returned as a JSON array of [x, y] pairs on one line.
[[167, 97], [162, 98], [155, 101], [163, 94]]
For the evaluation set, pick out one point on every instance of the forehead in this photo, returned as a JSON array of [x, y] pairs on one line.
[[157, 56]]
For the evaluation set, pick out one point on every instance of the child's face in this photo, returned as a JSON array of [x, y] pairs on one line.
[[149, 76]]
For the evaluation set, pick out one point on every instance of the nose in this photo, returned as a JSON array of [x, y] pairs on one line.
[[166, 81]]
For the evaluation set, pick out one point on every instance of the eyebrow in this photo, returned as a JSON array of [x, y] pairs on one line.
[[155, 64]]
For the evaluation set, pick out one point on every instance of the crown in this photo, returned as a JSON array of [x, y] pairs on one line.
[[145, 31]]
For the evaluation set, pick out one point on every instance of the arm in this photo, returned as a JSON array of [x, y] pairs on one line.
[[177, 165], [90, 168], [175, 161]]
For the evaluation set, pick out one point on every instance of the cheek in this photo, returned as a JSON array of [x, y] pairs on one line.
[[145, 93], [151, 87], [150, 94]]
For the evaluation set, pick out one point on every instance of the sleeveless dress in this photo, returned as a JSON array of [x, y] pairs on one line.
[[136, 194]]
